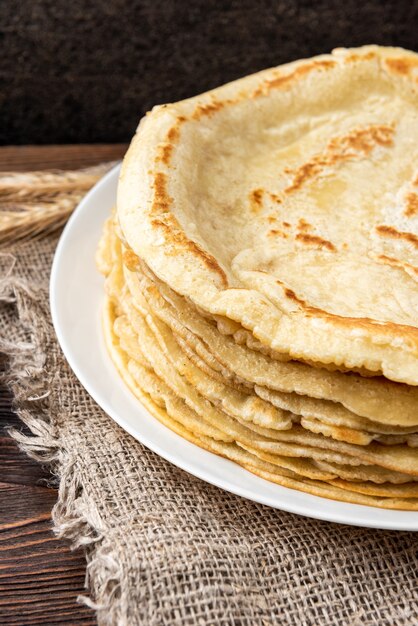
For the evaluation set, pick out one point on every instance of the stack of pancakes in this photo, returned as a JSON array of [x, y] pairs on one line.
[[261, 270]]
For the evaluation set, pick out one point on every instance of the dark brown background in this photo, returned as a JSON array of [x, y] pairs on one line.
[[86, 70]]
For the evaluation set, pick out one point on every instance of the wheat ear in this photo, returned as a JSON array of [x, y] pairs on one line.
[[35, 204]]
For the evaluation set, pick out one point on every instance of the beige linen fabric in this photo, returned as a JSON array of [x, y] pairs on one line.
[[162, 547]]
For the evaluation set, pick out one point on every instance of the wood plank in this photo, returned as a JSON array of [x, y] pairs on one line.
[[22, 158], [40, 577], [15, 466]]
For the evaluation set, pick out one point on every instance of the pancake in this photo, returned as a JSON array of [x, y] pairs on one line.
[[242, 405], [286, 202], [166, 407], [319, 416], [296, 442], [261, 274], [374, 398]]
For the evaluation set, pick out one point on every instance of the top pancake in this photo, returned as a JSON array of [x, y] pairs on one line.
[[288, 202]]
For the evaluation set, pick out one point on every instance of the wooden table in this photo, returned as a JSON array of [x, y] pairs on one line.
[[40, 577]]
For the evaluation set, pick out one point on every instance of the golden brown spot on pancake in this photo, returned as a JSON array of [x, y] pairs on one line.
[[162, 200], [130, 260], [392, 233], [275, 197], [303, 226], [411, 202], [277, 233], [174, 133], [388, 260], [163, 219], [363, 139], [349, 435], [166, 149], [357, 322], [315, 240], [345, 246], [166, 224], [356, 144], [271, 219], [256, 200], [210, 108], [284, 81], [286, 224], [303, 173], [324, 64], [401, 65], [354, 56], [181, 243], [165, 153], [289, 293]]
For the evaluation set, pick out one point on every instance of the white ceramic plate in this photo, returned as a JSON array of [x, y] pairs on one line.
[[76, 299]]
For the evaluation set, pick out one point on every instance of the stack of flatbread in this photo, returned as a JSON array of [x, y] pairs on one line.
[[262, 267]]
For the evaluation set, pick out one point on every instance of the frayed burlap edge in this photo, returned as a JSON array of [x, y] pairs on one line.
[[30, 372], [198, 556]]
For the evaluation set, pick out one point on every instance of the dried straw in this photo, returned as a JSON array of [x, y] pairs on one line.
[[34, 204]]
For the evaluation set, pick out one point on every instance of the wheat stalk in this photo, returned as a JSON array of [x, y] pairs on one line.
[[35, 204]]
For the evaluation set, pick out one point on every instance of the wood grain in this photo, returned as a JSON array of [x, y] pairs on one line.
[[22, 158], [40, 577]]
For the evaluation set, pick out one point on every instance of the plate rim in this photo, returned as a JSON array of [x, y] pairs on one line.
[[408, 520]]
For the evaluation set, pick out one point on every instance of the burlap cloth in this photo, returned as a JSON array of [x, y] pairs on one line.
[[162, 547]]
